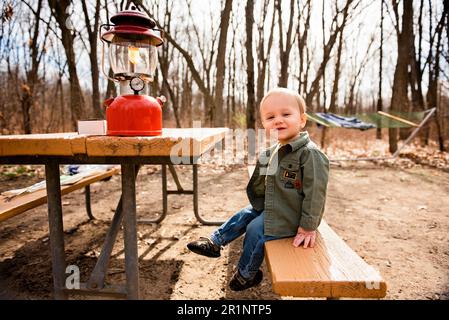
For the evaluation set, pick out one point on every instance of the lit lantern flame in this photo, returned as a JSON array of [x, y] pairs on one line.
[[133, 54]]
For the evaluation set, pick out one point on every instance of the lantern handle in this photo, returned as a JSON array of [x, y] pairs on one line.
[[106, 26]]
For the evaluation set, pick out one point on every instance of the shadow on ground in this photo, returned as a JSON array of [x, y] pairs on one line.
[[28, 274]]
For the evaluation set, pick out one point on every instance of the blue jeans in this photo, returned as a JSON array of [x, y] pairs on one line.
[[250, 221]]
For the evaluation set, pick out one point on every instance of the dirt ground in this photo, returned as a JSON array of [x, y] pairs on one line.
[[396, 219]]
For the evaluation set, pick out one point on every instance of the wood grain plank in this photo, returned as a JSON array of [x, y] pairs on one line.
[[330, 269], [52, 144], [176, 142]]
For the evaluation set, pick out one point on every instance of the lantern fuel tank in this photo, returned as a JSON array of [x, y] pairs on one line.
[[134, 115]]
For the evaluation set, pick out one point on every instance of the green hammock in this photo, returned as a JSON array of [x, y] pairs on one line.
[[376, 119]]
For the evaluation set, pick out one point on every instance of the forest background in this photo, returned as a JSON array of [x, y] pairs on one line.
[[220, 57]]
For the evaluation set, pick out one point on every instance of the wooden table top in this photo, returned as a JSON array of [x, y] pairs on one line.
[[185, 142]]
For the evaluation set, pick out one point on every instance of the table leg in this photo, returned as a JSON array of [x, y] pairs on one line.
[[88, 206], [56, 229], [164, 194], [130, 230], [96, 280], [175, 177]]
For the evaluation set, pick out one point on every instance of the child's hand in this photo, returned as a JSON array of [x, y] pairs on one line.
[[308, 237]]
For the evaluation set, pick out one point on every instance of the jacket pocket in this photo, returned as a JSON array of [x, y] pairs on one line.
[[290, 176], [288, 195]]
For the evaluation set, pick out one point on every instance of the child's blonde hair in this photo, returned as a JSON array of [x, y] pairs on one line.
[[301, 103]]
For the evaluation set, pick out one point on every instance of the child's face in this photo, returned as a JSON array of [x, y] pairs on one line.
[[280, 112]]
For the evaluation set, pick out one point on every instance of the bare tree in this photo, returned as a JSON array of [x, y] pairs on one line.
[[111, 90], [9, 23], [381, 55], [203, 65], [435, 70], [250, 107], [218, 117], [285, 48], [323, 77], [303, 50], [263, 54], [232, 65], [336, 28], [334, 94], [166, 55], [417, 71], [36, 51], [399, 99], [187, 98], [92, 33], [215, 101], [60, 12], [351, 103]]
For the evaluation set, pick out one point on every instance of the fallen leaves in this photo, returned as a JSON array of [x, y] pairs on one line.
[[428, 156]]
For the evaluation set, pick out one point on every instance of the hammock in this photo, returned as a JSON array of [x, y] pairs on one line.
[[367, 121], [375, 120]]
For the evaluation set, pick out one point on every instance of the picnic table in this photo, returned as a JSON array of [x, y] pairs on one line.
[[52, 150]]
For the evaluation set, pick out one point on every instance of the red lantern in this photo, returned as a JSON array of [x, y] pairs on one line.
[[132, 40]]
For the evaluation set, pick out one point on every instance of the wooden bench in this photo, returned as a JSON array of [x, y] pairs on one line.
[[22, 203], [330, 270]]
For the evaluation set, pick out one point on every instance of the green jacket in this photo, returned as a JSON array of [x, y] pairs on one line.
[[291, 188]]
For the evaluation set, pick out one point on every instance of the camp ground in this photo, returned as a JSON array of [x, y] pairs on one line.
[[131, 129]]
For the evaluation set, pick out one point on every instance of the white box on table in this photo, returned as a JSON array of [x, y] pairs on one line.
[[92, 127]]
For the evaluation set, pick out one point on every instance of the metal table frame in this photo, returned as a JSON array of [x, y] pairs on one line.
[[129, 170]]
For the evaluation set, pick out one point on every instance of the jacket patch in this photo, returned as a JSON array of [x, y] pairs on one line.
[[298, 184], [290, 174]]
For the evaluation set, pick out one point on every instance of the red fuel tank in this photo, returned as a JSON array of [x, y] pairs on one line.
[[134, 115]]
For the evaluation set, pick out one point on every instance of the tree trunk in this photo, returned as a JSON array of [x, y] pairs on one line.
[[399, 99], [111, 89], [59, 11], [302, 47], [285, 49], [92, 33], [434, 75], [187, 99], [408, 52], [218, 118], [263, 56], [200, 82], [26, 102], [231, 75], [315, 86], [381, 56], [28, 88], [250, 108], [334, 94], [166, 86]]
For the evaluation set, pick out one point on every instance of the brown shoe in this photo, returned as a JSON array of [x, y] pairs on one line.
[[238, 283], [205, 247]]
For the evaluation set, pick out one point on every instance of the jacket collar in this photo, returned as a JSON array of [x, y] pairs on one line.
[[299, 141]]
